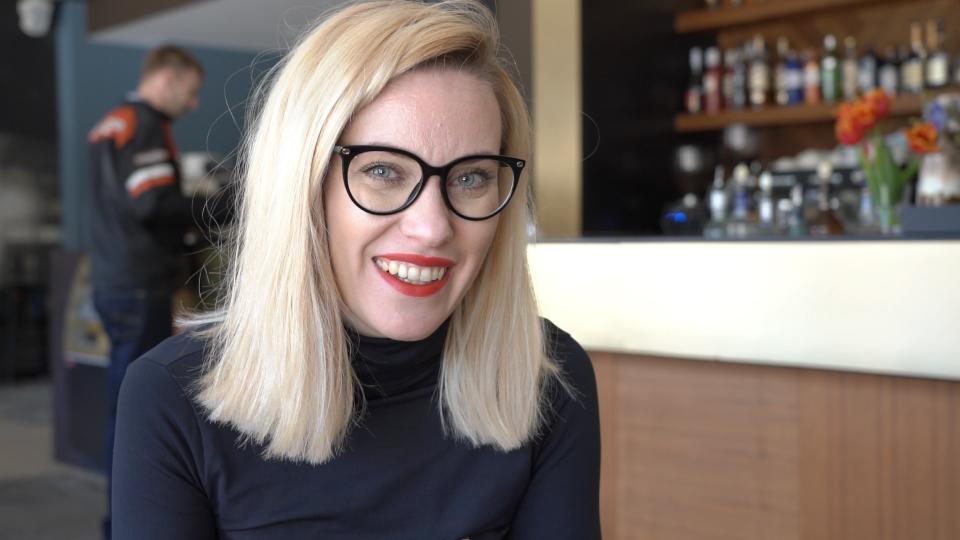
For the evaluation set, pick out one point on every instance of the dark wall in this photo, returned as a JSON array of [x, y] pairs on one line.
[[634, 74], [27, 92]]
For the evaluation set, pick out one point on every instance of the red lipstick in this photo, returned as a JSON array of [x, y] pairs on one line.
[[419, 260], [410, 289]]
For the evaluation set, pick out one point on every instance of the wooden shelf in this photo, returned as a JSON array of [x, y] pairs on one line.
[[791, 115], [723, 17]]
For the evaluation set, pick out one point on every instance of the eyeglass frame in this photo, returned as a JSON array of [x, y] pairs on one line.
[[348, 152]]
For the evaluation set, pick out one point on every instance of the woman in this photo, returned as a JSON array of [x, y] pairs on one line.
[[378, 368]]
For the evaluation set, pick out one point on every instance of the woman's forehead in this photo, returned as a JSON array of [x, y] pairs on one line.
[[431, 110]]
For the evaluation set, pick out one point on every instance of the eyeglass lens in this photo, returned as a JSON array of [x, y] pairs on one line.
[[383, 181]]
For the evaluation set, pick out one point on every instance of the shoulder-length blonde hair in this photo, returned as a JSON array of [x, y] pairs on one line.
[[279, 368]]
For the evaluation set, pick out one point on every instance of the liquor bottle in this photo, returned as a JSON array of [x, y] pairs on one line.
[[781, 94], [825, 221], [796, 225], [794, 78], [867, 72], [712, 82], [831, 89], [937, 72], [811, 78], [693, 100], [916, 58], [905, 65], [740, 224], [729, 59], [866, 217], [956, 70], [766, 205], [740, 92], [716, 228], [759, 75], [888, 73], [784, 212], [849, 69]]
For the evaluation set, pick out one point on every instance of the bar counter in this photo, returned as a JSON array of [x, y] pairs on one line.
[[886, 306], [801, 390]]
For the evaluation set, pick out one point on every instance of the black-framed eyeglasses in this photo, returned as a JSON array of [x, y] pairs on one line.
[[382, 180]]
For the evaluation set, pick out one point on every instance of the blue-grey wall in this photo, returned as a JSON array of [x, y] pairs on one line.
[[93, 78]]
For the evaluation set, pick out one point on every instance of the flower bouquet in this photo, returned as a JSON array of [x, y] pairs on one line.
[[857, 125]]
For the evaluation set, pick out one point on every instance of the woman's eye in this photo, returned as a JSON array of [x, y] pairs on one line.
[[382, 172], [470, 181]]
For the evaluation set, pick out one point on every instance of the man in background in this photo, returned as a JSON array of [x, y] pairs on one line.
[[139, 217]]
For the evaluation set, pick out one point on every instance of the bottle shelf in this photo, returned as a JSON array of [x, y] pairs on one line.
[[728, 16], [788, 115]]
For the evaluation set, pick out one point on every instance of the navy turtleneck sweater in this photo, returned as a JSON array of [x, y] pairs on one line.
[[177, 475]]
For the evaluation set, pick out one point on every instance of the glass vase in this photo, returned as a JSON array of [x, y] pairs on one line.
[[886, 180], [887, 209]]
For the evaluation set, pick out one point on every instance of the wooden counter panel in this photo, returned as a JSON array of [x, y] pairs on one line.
[[696, 450]]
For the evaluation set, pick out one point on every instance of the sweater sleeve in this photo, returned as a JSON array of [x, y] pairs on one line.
[[562, 500], [157, 487]]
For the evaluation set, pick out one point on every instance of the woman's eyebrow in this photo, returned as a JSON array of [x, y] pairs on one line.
[[483, 152]]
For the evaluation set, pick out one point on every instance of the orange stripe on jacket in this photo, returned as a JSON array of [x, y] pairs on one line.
[[119, 124]]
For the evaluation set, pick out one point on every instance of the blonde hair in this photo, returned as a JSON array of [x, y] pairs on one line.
[[279, 369]]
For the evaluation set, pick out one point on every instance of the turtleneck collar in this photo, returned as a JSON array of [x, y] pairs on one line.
[[387, 367]]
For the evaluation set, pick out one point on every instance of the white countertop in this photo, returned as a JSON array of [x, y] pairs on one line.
[[875, 306]]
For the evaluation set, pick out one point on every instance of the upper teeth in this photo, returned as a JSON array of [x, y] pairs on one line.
[[411, 273]]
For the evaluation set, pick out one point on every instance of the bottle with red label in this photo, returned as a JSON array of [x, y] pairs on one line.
[[811, 78], [713, 82], [693, 99]]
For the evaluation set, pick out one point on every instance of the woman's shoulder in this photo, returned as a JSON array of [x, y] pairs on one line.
[[166, 372], [573, 392], [158, 446], [573, 412], [569, 356], [180, 353]]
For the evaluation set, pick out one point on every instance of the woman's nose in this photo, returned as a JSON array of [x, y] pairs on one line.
[[428, 219]]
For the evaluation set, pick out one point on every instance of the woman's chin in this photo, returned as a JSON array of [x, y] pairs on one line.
[[410, 332], [399, 329]]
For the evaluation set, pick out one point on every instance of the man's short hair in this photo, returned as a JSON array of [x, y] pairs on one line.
[[169, 56]]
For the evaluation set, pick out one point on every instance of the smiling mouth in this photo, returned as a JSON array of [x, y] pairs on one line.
[[409, 272], [414, 275]]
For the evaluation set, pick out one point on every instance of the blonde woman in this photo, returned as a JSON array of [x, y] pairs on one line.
[[378, 368]]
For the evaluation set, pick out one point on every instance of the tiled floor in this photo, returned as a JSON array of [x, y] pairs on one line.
[[39, 498]]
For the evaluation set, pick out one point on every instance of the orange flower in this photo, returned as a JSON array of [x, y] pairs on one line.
[[848, 132], [879, 103], [843, 111], [923, 138], [861, 114], [854, 120]]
